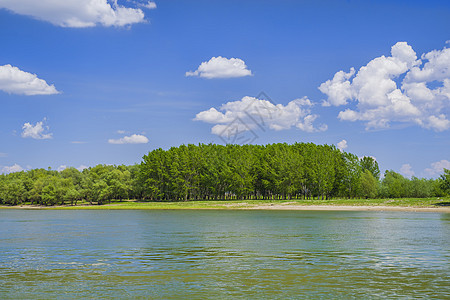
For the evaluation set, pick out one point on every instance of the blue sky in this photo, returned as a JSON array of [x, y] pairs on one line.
[[100, 82]]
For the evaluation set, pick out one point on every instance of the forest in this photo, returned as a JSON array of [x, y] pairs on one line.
[[217, 172]]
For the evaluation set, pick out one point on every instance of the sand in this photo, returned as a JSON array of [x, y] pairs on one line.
[[246, 206], [348, 208]]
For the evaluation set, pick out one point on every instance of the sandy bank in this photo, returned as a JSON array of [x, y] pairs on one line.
[[246, 206], [348, 208]]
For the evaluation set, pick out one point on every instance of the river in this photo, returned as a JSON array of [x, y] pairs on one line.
[[223, 254]]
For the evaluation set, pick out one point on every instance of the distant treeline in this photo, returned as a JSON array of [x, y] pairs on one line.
[[214, 172]]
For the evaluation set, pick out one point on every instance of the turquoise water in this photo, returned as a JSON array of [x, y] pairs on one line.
[[48, 254]]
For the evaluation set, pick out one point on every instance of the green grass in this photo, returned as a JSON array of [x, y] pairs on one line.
[[243, 204]]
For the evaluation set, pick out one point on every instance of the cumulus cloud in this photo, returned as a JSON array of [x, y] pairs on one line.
[[251, 113], [78, 13], [132, 139], [338, 89], [149, 5], [82, 167], [61, 168], [12, 169], [342, 145], [422, 97], [406, 170], [15, 81], [221, 67], [438, 167], [38, 131]]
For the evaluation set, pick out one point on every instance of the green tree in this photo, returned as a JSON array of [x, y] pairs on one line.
[[73, 195], [13, 192], [394, 185], [420, 188], [369, 185], [351, 175], [444, 182], [370, 164]]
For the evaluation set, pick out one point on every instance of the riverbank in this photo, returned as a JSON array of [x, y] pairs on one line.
[[401, 204]]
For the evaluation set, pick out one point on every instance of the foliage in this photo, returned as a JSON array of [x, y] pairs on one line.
[[368, 185], [444, 182], [46, 187], [370, 164], [215, 172]]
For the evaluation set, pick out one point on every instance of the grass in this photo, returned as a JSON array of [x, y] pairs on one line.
[[244, 204]]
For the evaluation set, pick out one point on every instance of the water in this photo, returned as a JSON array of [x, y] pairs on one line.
[[223, 254]]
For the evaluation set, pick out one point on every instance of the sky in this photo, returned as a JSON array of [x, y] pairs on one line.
[[87, 82]]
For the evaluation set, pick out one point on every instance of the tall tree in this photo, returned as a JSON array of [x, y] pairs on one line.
[[370, 164], [444, 181], [368, 187]]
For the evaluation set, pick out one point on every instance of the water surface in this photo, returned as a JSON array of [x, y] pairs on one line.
[[48, 254]]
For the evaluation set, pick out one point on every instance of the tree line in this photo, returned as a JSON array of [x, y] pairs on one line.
[[217, 172]]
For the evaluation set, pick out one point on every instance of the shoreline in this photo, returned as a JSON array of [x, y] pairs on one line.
[[238, 206], [351, 208]]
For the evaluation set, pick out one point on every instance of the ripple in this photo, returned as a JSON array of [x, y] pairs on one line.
[[234, 255]]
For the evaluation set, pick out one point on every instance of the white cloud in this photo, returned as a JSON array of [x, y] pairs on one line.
[[77, 13], [78, 142], [406, 170], [338, 89], [436, 67], [438, 167], [3, 154], [149, 5], [342, 145], [381, 101], [12, 169], [251, 113], [439, 123], [308, 126], [82, 167], [221, 67], [15, 81], [38, 131], [61, 168], [132, 139]]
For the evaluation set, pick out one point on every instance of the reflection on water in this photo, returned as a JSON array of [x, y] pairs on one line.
[[223, 254]]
